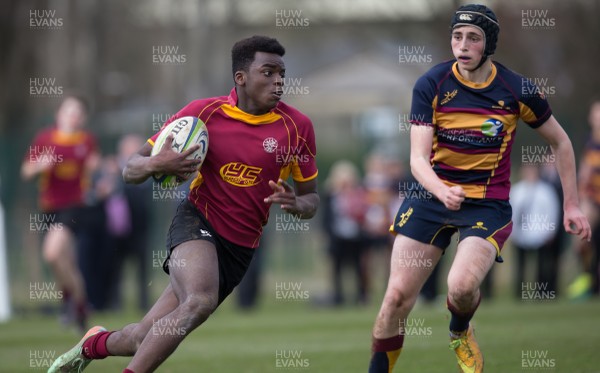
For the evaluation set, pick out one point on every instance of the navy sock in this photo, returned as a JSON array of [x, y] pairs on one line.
[[459, 322]]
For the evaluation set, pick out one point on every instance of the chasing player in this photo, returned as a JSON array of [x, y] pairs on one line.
[[464, 116], [256, 142], [63, 157]]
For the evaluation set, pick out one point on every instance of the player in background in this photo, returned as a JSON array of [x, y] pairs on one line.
[[63, 156], [464, 116], [256, 143], [588, 283]]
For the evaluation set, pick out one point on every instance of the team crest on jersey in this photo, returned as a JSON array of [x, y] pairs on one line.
[[270, 144], [492, 127], [404, 217], [448, 96], [479, 225], [240, 175]]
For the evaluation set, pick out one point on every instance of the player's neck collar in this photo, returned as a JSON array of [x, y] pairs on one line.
[[235, 112], [471, 84]]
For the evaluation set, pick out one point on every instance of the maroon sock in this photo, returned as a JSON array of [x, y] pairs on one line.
[[95, 346], [128, 371], [385, 352], [388, 344]]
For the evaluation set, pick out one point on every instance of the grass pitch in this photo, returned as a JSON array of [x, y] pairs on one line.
[[294, 336]]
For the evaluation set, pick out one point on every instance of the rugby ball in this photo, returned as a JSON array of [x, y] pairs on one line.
[[187, 132]]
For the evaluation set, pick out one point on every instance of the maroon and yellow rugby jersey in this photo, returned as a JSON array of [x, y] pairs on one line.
[[591, 156], [62, 185], [475, 125], [245, 152]]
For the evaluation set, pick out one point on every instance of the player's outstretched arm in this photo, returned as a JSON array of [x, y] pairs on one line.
[[421, 140], [302, 202], [574, 221], [141, 165], [31, 169]]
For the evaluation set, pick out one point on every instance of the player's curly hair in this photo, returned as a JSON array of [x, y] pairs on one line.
[[242, 53]]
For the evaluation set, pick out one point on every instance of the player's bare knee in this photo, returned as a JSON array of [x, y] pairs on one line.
[[195, 310], [462, 294], [396, 298]]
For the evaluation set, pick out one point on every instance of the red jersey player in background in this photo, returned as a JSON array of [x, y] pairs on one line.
[[256, 143], [62, 156]]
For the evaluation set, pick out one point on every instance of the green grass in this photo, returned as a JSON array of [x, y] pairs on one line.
[[337, 340]]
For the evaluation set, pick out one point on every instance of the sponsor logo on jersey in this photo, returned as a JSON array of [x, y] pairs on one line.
[[240, 175], [492, 127], [465, 17]]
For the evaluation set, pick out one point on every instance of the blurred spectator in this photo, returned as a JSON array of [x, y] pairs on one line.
[[344, 209], [128, 222], [383, 173], [554, 249], [589, 183], [536, 212], [95, 250], [63, 155]]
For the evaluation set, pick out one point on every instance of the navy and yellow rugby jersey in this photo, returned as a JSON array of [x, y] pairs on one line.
[[475, 125], [245, 152]]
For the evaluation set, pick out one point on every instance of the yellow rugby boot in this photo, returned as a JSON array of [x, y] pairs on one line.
[[468, 354]]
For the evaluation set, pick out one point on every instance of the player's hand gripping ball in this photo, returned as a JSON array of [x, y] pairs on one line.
[[187, 132]]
